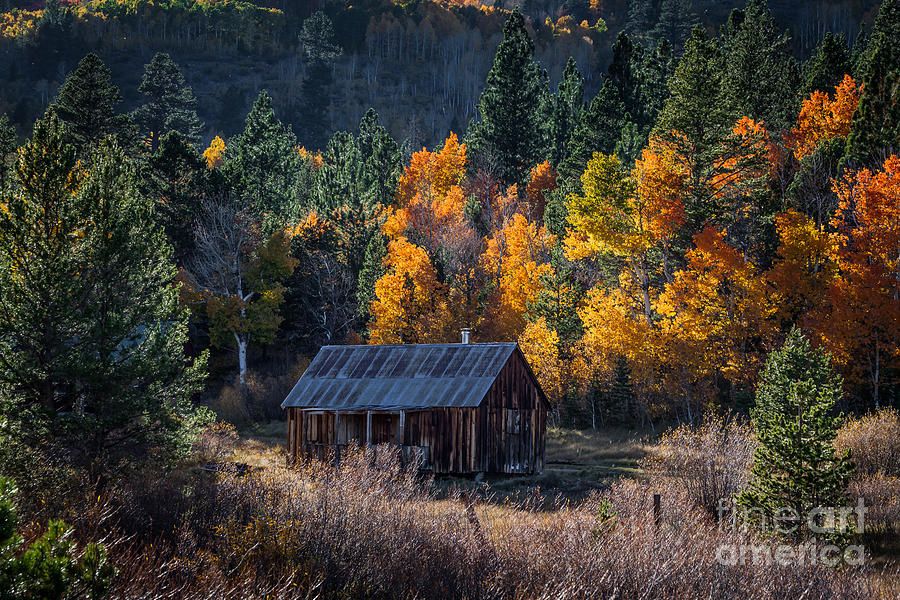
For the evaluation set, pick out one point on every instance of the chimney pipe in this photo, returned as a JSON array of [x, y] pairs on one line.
[[465, 334]]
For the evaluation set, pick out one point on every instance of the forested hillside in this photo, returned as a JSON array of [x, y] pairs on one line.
[[421, 65], [683, 213], [647, 244]]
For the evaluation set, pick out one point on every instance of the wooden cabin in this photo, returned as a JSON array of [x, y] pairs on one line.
[[459, 408]]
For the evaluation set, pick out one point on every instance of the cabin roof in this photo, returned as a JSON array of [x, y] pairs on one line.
[[400, 377]]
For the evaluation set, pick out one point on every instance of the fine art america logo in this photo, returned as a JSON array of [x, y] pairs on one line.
[[817, 533]]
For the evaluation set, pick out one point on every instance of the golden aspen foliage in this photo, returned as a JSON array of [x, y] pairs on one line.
[[720, 310], [514, 260], [215, 154], [803, 268], [540, 345], [411, 304]]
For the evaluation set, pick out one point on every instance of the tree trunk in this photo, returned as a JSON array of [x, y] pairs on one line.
[[242, 358]]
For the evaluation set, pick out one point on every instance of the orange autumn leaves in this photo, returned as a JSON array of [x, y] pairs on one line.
[[693, 317], [719, 315], [824, 117], [442, 274]]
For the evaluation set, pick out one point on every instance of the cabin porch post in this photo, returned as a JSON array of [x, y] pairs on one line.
[[337, 448], [398, 438]]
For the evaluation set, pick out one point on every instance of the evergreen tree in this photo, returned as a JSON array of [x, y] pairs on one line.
[[92, 336], [382, 164], [339, 181], [171, 104], [509, 139], [372, 270], [558, 300], [858, 53], [761, 77], [48, 568], [261, 166], [601, 124], [7, 150], [319, 50], [613, 400], [177, 178], [567, 108], [795, 465], [556, 213], [623, 113], [875, 132], [696, 118], [86, 103], [654, 74], [598, 131], [826, 69], [675, 22], [640, 19]]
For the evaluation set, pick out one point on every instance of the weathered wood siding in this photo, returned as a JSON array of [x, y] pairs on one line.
[[505, 434]]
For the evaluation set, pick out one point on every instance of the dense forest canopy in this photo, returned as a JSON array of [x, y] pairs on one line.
[[682, 212], [421, 65], [647, 232]]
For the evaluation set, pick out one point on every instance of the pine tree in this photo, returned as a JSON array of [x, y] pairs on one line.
[[675, 22], [382, 163], [598, 131], [795, 465], [510, 138], [372, 270], [697, 117], [640, 19], [858, 54], [7, 150], [48, 567], [825, 70], [319, 50], [86, 103], [761, 77], [177, 178], [601, 124], [262, 165], [171, 104], [876, 122], [558, 300], [567, 108], [338, 182], [92, 336]]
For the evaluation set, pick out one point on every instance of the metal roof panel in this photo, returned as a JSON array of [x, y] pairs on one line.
[[399, 377]]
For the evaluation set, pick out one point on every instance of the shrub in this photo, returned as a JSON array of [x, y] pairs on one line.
[[709, 462], [231, 404], [50, 566], [874, 442]]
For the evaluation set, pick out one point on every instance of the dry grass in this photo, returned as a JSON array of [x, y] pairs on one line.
[[375, 530], [874, 442], [710, 462]]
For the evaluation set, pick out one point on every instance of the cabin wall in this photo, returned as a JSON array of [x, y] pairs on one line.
[[514, 418], [505, 434]]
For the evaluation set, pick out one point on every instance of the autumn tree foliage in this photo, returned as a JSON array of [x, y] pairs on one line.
[[514, 261], [718, 311], [235, 276], [411, 304], [824, 117], [215, 153], [860, 321], [432, 252]]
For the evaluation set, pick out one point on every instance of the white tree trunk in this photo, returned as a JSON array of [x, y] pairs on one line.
[[242, 357]]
